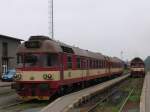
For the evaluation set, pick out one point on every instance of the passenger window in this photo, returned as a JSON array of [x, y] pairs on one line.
[[87, 64], [78, 63], [96, 63], [91, 64], [69, 62]]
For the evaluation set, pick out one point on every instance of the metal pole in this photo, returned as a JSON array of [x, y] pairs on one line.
[[52, 20]]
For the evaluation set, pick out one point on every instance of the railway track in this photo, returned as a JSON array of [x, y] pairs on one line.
[[125, 101], [114, 91], [101, 101], [75, 99], [10, 101], [22, 106], [10, 105]]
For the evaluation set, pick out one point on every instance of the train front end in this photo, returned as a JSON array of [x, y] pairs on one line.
[[38, 71], [137, 67]]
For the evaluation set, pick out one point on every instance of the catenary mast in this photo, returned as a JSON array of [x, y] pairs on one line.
[[51, 19]]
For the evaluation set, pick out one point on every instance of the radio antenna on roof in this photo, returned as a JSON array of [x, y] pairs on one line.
[[51, 17]]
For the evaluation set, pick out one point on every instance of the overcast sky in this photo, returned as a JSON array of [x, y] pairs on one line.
[[106, 26]]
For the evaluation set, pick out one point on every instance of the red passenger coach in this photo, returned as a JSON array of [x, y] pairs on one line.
[[47, 67], [137, 67]]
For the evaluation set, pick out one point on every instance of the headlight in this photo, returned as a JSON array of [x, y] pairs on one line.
[[47, 76], [17, 77]]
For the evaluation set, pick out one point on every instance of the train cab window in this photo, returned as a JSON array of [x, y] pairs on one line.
[[37, 60], [52, 59], [69, 62]]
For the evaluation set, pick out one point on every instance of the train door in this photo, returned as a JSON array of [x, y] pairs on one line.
[[107, 70], [87, 67], [68, 74], [61, 66], [108, 65], [82, 67]]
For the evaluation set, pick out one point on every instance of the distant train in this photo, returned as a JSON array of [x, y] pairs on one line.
[[47, 67], [137, 67]]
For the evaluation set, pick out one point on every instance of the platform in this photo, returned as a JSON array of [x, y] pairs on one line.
[[63, 103], [145, 96]]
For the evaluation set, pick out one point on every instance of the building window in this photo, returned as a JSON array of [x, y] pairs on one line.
[[5, 49]]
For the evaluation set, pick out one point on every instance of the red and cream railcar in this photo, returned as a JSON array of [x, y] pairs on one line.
[[137, 67], [116, 66], [46, 67]]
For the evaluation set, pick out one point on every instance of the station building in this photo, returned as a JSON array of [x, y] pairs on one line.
[[8, 47]]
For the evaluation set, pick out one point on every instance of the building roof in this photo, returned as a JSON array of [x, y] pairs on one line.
[[8, 37]]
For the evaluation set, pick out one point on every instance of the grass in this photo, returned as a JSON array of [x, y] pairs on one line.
[[134, 98]]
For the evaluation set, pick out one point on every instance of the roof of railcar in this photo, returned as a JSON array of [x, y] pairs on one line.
[[137, 59], [49, 45]]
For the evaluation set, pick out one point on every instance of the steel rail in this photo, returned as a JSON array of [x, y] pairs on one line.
[[14, 104], [122, 106]]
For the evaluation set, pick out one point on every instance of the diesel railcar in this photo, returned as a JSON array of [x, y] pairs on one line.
[[137, 67], [47, 67]]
